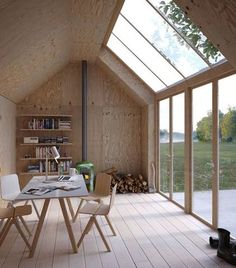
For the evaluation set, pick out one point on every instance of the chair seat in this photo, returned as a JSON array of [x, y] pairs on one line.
[[11, 215], [95, 209], [94, 197], [6, 213]]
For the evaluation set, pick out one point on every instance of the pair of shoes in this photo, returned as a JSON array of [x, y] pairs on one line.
[[226, 249]]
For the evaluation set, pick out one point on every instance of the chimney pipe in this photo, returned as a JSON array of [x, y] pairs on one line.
[[84, 110]]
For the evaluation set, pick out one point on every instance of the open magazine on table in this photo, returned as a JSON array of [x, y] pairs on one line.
[[48, 188]]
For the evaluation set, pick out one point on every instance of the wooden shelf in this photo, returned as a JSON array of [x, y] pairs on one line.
[[34, 158], [44, 115], [46, 144], [46, 129]]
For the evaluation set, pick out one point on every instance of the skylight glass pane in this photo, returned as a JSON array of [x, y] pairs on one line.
[[140, 47], [163, 37], [138, 67], [220, 57]]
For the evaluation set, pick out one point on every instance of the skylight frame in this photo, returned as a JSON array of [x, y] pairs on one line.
[[140, 59], [182, 63], [157, 50], [149, 72]]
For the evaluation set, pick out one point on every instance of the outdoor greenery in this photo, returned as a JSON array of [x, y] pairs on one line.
[[189, 30], [202, 166], [227, 126]]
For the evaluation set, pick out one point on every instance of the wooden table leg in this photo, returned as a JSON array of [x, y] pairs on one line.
[[68, 226], [39, 227], [70, 207]]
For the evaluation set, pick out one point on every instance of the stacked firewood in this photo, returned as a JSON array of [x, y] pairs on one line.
[[127, 183]]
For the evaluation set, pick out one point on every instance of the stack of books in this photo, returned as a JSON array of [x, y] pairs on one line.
[[33, 169], [64, 124]]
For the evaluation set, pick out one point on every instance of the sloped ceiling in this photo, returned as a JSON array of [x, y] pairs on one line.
[[39, 37]]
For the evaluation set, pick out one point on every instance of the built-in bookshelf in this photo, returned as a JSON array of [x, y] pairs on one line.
[[35, 135]]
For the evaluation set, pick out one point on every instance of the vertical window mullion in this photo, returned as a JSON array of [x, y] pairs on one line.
[[215, 154], [158, 148], [171, 148], [188, 174]]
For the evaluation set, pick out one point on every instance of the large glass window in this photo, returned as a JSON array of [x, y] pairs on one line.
[[135, 64], [144, 34], [202, 152], [165, 158], [227, 153], [178, 148], [163, 37]]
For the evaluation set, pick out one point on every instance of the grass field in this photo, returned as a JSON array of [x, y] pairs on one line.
[[202, 166]]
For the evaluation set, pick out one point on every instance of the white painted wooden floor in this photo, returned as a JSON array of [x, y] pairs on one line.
[[151, 232]]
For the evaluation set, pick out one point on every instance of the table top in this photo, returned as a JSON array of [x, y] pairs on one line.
[[54, 187]]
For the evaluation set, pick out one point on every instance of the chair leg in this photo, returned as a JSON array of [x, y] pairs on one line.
[[70, 207], [21, 233], [1, 223], [101, 234], [35, 208], [5, 230], [89, 224], [77, 211], [109, 223], [25, 225]]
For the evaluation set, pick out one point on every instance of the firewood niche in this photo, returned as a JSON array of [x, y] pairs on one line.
[[127, 183]]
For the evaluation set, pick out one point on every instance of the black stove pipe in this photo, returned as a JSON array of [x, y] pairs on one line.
[[84, 110]]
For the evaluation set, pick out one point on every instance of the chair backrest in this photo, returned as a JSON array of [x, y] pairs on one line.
[[10, 187], [103, 184]]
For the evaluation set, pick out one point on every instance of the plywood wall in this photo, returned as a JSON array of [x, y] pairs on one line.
[[7, 136], [114, 119]]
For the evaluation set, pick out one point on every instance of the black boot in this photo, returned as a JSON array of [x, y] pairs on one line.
[[225, 249], [214, 242]]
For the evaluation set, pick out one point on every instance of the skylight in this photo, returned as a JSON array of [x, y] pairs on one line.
[[153, 47]]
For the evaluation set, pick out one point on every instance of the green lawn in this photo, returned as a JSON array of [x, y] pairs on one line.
[[202, 166]]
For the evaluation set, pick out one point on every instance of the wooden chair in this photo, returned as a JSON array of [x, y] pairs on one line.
[[102, 190], [98, 209], [10, 215], [10, 189]]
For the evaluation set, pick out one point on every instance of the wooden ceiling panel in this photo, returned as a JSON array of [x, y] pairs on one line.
[[217, 20], [33, 67], [90, 21], [33, 45], [38, 38], [5, 3]]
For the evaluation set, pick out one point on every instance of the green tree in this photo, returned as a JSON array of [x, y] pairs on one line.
[[189, 29], [204, 128], [228, 125]]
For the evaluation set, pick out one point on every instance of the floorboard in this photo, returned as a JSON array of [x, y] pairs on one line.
[[151, 232]]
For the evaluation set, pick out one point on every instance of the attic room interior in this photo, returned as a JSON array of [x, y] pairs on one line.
[[141, 91]]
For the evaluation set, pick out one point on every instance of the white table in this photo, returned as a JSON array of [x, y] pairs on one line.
[[61, 195]]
